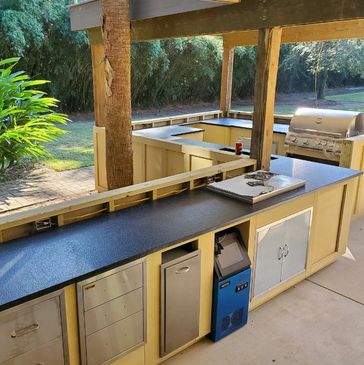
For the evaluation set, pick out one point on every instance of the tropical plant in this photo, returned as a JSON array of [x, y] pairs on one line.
[[27, 119]]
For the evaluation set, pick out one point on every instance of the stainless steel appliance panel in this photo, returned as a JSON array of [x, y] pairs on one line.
[[296, 242], [269, 255], [29, 327], [113, 340], [180, 302], [112, 286], [48, 354], [113, 311]]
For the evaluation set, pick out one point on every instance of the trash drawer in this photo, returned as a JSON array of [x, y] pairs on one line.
[[110, 342], [48, 354], [29, 327], [112, 286], [180, 301]]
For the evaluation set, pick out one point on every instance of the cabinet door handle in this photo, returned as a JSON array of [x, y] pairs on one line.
[[24, 331], [286, 250], [280, 253], [183, 270]]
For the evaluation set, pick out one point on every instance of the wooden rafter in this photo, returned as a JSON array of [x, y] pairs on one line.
[[347, 29], [249, 15]]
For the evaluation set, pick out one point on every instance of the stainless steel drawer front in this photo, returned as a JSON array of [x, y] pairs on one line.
[[111, 341], [113, 311], [48, 354], [112, 286], [27, 328]]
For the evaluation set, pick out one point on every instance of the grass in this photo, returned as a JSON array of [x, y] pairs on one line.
[[73, 150], [281, 109], [357, 97], [345, 101]]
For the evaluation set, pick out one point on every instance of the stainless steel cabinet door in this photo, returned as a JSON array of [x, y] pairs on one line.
[[295, 245], [268, 260], [181, 304]]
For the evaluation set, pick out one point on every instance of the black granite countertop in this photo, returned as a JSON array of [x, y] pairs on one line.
[[167, 132], [241, 123], [39, 264], [172, 132]]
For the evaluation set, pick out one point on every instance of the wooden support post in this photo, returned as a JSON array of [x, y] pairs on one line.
[[98, 73], [226, 79], [117, 43], [264, 95]]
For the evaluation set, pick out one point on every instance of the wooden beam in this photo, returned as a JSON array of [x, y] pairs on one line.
[[346, 29], [248, 15], [226, 79], [264, 95], [98, 74]]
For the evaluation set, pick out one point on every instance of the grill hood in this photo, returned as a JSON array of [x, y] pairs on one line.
[[329, 123]]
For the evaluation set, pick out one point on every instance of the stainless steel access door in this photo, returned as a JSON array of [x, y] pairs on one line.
[[180, 301]]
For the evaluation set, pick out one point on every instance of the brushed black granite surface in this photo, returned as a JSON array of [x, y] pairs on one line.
[[36, 265], [242, 123], [167, 132]]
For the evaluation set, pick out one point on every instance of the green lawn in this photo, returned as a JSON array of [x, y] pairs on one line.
[[345, 101], [357, 97], [74, 149]]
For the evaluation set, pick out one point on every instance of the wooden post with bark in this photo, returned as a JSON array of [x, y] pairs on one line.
[[264, 95], [226, 79], [117, 93]]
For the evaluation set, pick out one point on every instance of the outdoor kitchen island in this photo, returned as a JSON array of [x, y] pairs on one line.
[[51, 263]]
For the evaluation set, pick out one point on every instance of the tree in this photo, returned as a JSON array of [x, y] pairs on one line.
[[119, 148], [329, 58], [39, 32]]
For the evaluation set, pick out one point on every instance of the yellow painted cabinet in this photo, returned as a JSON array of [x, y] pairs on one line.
[[327, 214]]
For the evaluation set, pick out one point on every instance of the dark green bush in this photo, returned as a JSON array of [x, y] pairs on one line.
[[27, 120]]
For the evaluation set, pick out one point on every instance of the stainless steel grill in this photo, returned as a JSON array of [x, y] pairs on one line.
[[323, 130]]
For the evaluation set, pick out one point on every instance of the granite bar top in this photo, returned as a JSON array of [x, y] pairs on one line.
[[241, 123], [167, 132], [39, 264]]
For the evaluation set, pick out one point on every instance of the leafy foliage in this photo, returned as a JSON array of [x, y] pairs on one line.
[[163, 72], [39, 32], [27, 120]]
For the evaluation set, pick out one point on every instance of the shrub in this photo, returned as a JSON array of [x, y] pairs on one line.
[[26, 116]]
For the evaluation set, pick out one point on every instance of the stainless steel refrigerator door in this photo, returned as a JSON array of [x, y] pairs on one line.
[[180, 302]]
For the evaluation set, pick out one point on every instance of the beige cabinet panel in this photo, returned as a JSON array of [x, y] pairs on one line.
[[327, 214]]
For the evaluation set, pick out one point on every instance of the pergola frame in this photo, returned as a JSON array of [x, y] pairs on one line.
[[265, 24]]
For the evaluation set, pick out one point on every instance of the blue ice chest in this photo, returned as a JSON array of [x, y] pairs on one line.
[[231, 284]]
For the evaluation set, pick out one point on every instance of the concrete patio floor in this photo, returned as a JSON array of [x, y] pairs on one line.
[[45, 186], [318, 322]]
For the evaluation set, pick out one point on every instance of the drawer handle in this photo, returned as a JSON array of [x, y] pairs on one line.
[[183, 270], [39, 363], [24, 331], [286, 250], [280, 253]]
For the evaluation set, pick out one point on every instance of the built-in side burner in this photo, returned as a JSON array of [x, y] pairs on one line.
[[256, 186]]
